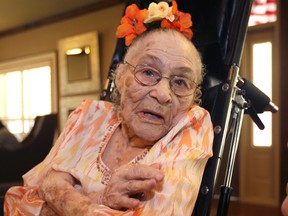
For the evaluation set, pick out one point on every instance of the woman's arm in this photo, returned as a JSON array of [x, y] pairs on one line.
[[62, 197], [58, 190]]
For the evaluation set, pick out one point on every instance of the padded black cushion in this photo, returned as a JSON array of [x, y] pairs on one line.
[[34, 149]]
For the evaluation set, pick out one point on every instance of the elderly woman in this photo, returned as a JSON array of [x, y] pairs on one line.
[[144, 154]]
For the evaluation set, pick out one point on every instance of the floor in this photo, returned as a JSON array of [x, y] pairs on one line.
[[240, 209]]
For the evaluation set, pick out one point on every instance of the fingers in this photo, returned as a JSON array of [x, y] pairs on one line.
[[129, 182], [129, 203], [156, 166], [124, 202], [139, 186], [129, 198], [117, 200]]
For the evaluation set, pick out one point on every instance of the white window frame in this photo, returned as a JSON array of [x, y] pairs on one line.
[[45, 59]]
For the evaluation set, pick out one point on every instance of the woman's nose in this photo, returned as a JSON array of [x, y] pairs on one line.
[[162, 91]]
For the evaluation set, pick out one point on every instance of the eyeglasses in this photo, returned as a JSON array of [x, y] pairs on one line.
[[149, 76]]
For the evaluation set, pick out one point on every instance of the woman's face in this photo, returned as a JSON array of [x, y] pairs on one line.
[[149, 112]]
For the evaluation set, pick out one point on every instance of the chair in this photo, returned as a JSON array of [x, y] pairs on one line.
[[219, 33], [34, 149]]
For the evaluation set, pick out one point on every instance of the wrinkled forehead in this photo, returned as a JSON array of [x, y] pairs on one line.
[[168, 45]]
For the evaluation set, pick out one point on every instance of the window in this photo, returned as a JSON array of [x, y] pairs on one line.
[[27, 89], [262, 77], [263, 12]]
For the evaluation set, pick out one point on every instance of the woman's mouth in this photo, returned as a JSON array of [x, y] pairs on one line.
[[152, 117]]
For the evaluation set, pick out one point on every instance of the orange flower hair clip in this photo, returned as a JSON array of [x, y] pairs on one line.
[[160, 15]]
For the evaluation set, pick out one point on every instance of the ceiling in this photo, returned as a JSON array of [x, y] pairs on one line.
[[16, 15]]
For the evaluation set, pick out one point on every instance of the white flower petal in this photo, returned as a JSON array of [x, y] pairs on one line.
[[157, 12]]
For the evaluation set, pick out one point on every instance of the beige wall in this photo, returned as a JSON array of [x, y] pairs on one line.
[[45, 39]]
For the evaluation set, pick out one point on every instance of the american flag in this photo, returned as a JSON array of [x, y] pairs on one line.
[[263, 11]]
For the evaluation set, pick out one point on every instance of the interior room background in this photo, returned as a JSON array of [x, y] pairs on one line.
[[44, 39]]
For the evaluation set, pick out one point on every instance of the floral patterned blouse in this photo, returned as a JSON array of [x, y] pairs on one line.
[[183, 153]]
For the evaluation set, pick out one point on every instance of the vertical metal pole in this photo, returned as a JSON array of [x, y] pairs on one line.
[[226, 189], [233, 77]]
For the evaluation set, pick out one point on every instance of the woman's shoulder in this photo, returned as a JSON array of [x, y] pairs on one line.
[[96, 104], [91, 110], [90, 107], [198, 112]]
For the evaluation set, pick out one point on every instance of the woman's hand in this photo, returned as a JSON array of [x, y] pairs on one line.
[[47, 211], [129, 181]]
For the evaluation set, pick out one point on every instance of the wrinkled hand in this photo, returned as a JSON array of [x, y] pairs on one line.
[[131, 180], [47, 211]]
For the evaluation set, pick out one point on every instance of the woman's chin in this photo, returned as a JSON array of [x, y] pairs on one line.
[[151, 132]]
